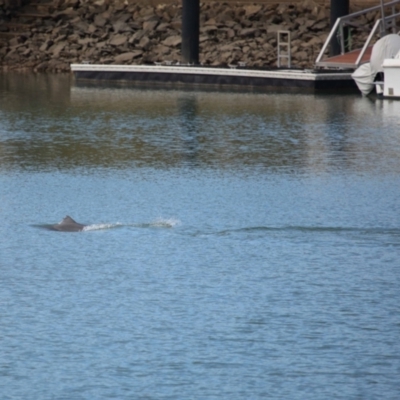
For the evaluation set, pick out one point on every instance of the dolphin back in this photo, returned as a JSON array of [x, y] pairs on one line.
[[68, 225]]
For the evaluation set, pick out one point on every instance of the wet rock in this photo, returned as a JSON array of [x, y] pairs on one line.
[[41, 67]]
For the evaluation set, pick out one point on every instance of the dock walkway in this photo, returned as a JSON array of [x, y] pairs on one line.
[[347, 60]]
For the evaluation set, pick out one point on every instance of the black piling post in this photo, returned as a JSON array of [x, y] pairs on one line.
[[190, 31], [339, 8]]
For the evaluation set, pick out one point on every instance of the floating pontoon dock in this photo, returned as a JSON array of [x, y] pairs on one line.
[[228, 77]]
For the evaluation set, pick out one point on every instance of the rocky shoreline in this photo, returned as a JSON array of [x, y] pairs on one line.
[[50, 36]]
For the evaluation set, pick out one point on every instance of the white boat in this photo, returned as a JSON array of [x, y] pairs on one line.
[[381, 75]]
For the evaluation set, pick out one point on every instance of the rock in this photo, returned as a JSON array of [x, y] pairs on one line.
[[85, 41], [209, 29], [124, 17], [249, 32], [301, 56], [100, 21], [162, 27], [80, 25], [125, 57], [57, 66], [203, 38], [41, 67], [229, 48], [121, 26], [320, 26], [149, 25], [60, 38], [118, 40], [46, 45], [176, 24], [15, 41], [273, 28], [100, 45], [144, 43], [57, 48], [173, 41], [252, 10], [161, 49], [72, 3], [73, 38], [125, 31], [92, 28], [119, 6], [68, 12], [211, 21], [315, 41], [137, 36]]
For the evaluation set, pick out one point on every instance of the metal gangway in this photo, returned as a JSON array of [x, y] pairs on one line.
[[351, 59]]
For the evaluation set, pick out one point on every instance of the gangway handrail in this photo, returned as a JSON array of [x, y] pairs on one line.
[[328, 40], [371, 35], [368, 41], [344, 20]]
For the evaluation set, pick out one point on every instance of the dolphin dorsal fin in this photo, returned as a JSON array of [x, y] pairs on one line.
[[68, 220]]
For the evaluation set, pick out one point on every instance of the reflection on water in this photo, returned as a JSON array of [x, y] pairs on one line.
[[49, 122]]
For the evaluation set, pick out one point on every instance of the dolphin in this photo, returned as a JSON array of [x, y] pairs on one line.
[[67, 225]]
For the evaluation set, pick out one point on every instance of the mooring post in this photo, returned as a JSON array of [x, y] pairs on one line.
[[339, 8], [190, 31]]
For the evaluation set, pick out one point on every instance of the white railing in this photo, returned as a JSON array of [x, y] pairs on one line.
[[384, 23]]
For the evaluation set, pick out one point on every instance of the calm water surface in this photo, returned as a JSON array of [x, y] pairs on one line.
[[239, 246]]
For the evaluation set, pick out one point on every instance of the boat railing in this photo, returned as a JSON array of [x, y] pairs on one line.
[[384, 24]]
